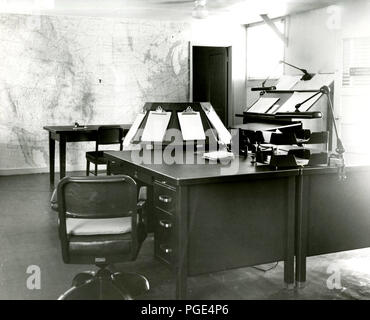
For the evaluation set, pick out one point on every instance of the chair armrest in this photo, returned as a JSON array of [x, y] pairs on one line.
[[141, 205], [141, 215], [143, 194]]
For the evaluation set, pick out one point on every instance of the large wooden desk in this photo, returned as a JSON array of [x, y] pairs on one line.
[[65, 134], [331, 215], [207, 220]]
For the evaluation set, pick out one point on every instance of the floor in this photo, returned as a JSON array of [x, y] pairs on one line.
[[28, 236]]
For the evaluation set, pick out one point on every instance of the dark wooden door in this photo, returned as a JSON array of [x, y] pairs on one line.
[[211, 78]]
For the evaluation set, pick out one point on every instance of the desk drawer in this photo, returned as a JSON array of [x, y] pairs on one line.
[[164, 197], [122, 168], [164, 236]]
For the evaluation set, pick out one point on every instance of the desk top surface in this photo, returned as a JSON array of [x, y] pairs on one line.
[[236, 169], [87, 128]]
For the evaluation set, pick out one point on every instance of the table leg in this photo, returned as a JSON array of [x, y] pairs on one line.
[[62, 156], [51, 159], [290, 245], [182, 244], [301, 234]]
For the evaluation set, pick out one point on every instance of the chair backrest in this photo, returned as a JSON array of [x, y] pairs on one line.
[[109, 135], [97, 197]]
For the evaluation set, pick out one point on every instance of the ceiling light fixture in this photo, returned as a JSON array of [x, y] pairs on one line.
[[200, 10]]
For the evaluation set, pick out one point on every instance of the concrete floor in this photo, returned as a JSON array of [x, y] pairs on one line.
[[28, 236]]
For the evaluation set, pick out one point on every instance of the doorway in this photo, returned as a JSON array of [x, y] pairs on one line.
[[211, 71]]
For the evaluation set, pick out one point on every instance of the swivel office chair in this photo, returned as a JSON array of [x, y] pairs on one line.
[[102, 223], [106, 135]]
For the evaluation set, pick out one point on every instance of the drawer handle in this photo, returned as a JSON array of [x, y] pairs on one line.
[[165, 224], [165, 199], [165, 249]]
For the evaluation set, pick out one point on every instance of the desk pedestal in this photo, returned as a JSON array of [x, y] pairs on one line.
[[207, 227]]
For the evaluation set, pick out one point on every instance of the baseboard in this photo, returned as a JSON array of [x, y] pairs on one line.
[[20, 171], [11, 172]]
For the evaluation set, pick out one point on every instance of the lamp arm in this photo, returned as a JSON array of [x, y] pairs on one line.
[[339, 148], [298, 105]]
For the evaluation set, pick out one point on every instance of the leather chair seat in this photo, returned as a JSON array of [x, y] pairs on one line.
[[96, 157], [99, 237], [100, 245], [85, 227]]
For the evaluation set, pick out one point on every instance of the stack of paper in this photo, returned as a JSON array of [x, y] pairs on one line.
[[218, 155]]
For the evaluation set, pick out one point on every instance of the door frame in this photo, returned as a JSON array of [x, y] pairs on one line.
[[230, 100]]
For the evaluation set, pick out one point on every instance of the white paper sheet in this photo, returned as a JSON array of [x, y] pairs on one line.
[[274, 109], [298, 97], [287, 82], [261, 126], [302, 162], [223, 134], [191, 126], [263, 105], [156, 126], [133, 129], [318, 80]]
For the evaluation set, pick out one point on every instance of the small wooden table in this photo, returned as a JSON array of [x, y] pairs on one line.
[[65, 134]]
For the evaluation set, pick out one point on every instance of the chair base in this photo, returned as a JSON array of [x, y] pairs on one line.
[[105, 285]]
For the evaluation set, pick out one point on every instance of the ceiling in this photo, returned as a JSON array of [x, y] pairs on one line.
[[242, 11]]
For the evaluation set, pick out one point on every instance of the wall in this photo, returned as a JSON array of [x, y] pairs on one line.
[[57, 70], [312, 42], [316, 43], [224, 32], [315, 36]]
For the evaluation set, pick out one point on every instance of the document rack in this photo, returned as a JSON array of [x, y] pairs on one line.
[[173, 134]]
